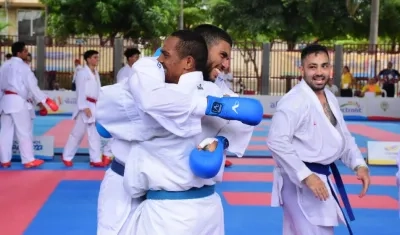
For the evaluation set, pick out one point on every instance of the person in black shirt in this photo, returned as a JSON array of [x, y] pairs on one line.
[[389, 76]]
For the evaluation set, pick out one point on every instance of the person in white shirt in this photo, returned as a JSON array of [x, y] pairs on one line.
[[224, 80], [115, 204], [132, 55], [20, 91], [88, 89], [332, 87], [78, 66], [307, 135]]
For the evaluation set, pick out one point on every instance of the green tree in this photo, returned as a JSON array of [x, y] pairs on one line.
[[110, 18]]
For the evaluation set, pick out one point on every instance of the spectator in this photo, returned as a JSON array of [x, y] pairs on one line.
[[332, 87], [77, 67], [347, 83], [389, 76], [372, 86]]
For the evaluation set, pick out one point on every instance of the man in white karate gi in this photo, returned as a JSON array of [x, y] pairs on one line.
[[131, 55], [108, 224], [307, 135], [87, 91], [20, 94], [219, 45]]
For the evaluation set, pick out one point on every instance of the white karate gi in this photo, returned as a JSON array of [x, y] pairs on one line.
[[162, 164], [87, 92], [124, 72], [114, 202], [17, 77], [301, 132]]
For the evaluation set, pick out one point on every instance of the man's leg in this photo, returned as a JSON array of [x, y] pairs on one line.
[[74, 140], [94, 146], [6, 139], [294, 221], [24, 133]]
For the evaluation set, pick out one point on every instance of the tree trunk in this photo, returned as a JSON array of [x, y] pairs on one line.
[[374, 25]]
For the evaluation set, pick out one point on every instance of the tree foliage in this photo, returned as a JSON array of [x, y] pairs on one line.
[[291, 21]]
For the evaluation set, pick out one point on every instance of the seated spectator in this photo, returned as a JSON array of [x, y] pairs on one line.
[[372, 86], [332, 87]]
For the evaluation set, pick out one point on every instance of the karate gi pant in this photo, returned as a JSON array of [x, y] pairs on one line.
[[20, 125], [76, 136], [115, 205], [107, 149], [202, 216], [294, 221]]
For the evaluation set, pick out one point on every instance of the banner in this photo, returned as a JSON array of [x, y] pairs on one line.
[[384, 109], [43, 147], [66, 101], [353, 108], [382, 153]]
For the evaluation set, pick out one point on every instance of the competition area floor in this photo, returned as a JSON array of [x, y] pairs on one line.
[[55, 200]]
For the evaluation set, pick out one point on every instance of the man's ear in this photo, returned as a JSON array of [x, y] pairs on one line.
[[190, 63]]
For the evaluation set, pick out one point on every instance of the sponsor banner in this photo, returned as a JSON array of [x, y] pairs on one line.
[[382, 153], [43, 147]]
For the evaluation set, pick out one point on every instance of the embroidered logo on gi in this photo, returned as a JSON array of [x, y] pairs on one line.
[[235, 106], [216, 108], [159, 65], [199, 87]]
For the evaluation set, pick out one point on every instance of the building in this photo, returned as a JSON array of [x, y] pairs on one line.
[[25, 19]]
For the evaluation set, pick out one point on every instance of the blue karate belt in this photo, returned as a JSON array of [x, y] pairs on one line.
[[117, 167], [192, 193], [324, 170]]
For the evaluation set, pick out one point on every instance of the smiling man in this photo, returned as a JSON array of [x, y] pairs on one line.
[[307, 135]]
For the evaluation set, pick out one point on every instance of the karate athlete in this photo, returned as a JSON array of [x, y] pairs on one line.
[[219, 45], [87, 91], [132, 55], [19, 84], [158, 168], [113, 200], [307, 135]]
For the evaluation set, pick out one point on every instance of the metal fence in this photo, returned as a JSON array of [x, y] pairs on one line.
[[262, 68]]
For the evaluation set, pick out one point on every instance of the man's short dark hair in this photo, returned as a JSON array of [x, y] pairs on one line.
[[131, 52], [192, 44], [89, 54], [8, 55], [212, 34], [17, 47], [313, 49]]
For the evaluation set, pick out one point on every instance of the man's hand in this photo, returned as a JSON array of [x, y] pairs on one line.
[[317, 186], [208, 144], [41, 106], [362, 173], [88, 112]]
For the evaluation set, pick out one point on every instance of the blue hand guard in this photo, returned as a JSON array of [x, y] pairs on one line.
[[206, 164], [246, 110]]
